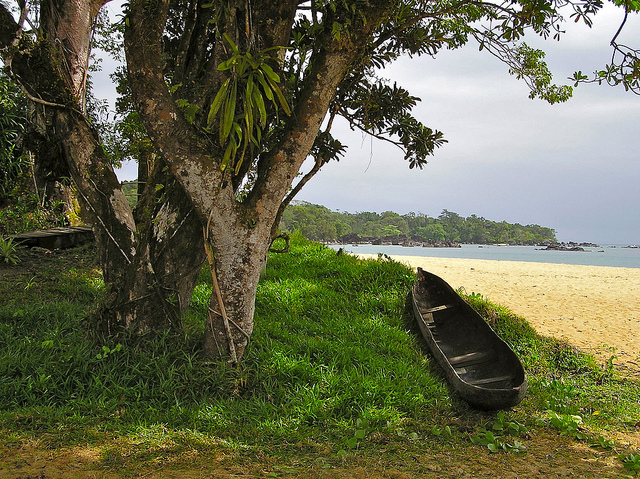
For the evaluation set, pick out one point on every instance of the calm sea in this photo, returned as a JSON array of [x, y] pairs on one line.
[[600, 256]]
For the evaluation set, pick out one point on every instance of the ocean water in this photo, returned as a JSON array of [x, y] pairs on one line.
[[601, 256]]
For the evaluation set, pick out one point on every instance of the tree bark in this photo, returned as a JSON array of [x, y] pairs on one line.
[[235, 270], [238, 232], [150, 261]]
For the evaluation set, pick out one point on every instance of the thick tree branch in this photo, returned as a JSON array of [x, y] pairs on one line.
[[281, 166], [319, 163], [329, 67], [190, 156], [10, 33]]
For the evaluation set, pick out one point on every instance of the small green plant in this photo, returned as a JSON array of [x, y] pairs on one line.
[[359, 434], [559, 396], [354, 441], [631, 462], [9, 250], [609, 369], [394, 429], [240, 106], [30, 283], [107, 351], [441, 431], [400, 432], [512, 428], [499, 437], [601, 442], [497, 443], [569, 424]]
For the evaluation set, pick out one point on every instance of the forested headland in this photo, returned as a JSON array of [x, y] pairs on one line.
[[321, 224]]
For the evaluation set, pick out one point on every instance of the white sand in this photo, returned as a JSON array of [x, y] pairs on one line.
[[594, 308]]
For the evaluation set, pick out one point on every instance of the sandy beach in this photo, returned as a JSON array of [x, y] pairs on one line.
[[593, 308]]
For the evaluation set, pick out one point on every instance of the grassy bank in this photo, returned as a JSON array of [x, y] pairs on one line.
[[336, 378]]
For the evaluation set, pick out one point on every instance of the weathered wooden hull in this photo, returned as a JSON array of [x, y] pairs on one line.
[[56, 238], [479, 365]]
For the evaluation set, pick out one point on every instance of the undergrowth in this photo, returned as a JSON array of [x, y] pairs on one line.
[[26, 213]]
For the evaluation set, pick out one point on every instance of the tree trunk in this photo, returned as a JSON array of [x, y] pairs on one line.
[[150, 260], [239, 231], [151, 293], [235, 269]]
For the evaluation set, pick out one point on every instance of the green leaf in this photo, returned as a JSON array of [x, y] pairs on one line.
[[190, 113], [231, 44], [248, 116], [227, 64], [228, 114], [336, 29], [265, 86], [273, 76], [259, 102], [250, 86], [281, 98], [257, 138], [227, 155], [217, 101], [238, 130]]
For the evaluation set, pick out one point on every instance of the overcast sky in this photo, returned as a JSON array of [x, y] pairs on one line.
[[574, 167]]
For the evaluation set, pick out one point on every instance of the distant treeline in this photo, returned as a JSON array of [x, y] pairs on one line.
[[318, 223]]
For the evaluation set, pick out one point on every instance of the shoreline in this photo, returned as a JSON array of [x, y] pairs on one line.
[[616, 257], [595, 308]]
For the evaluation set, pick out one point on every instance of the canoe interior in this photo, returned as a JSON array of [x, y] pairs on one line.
[[482, 367]]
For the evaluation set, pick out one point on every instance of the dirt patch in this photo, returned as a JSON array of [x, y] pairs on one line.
[[548, 455]]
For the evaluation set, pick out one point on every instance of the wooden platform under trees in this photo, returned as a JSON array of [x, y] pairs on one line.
[[56, 238]]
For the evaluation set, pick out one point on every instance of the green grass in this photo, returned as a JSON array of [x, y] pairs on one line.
[[25, 213], [334, 366]]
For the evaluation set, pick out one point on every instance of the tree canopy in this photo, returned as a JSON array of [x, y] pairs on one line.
[[319, 223]]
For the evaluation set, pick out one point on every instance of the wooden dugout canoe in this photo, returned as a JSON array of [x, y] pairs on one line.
[[480, 366]]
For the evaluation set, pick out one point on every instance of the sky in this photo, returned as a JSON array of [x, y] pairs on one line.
[[573, 167]]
